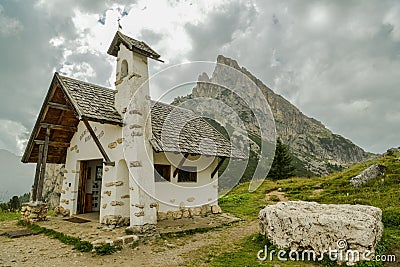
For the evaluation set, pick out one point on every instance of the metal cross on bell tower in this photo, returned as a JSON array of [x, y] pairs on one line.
[[119, 24]]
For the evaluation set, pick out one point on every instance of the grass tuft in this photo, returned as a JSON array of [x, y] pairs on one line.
[[83, 246], [193, 231], [80, 245], [107, 249], [9, 216]]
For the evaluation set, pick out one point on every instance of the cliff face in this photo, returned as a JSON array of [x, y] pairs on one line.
[[316, 148]]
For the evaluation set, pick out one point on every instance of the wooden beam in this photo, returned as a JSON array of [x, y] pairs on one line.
[[107, 162], [62, 158], [64, 155], [58, 106], [52, 143], [102, 121], [43, 168], [61, 117], [180, 164], [37, 174], [59, 127], [221, 161]]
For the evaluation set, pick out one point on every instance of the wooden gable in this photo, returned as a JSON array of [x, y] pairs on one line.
[[57, 114]]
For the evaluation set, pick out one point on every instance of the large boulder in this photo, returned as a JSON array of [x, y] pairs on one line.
[[367, 175], [301, 225]]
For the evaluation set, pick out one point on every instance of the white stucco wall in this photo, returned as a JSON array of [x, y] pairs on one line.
[[137, 76], [84, 148], [172, 195], [133, 101]]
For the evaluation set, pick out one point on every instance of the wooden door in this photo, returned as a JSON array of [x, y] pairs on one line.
[[88, 204], [83, 176]]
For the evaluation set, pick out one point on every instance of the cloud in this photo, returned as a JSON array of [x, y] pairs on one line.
[[13, 136], [9, 25], [67, 8], [151, 37], [222, 26], [27, 63], [337, 61]]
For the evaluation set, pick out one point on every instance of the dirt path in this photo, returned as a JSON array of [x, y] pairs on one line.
[[39, 250]]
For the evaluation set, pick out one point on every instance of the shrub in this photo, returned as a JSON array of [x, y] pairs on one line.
[[135, 243], [390, 152], [391, 217], [83, 246]]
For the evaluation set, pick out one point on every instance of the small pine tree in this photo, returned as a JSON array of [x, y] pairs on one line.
[[390, 152], [282, 166], [14, 203]]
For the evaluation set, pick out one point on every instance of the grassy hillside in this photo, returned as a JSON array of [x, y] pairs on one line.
[[383, 192]]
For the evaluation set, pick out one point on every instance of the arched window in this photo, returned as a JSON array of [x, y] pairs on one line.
[[124, 68]]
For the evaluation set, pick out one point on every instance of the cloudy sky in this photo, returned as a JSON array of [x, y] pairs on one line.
[[338, 61]]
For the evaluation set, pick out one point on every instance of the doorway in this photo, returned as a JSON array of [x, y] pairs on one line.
[[89, 188]]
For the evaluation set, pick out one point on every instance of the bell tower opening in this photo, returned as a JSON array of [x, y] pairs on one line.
[[124, 69]]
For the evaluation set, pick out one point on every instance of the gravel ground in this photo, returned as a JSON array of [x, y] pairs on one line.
[[40, 250]]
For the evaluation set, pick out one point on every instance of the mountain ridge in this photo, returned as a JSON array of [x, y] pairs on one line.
[[317, 149]]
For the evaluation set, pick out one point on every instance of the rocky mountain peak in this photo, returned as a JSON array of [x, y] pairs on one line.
[[203, 77], [316, 148], [228, 62]]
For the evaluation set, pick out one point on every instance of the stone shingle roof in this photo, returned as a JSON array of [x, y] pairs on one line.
[[196, 136], [93, 102], [179, 129], [133, 45]]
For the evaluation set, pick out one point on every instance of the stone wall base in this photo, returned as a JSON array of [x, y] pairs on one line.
[[115, 220], [119, 221], [33, 212], [59, 210], [202, 211]]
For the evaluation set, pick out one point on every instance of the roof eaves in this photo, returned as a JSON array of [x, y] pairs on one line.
[[107, 121], [75, 105], [120, 37], [146, 54], [111, 50]]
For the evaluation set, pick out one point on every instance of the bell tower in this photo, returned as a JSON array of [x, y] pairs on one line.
[[132, 70], [132, 101]]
